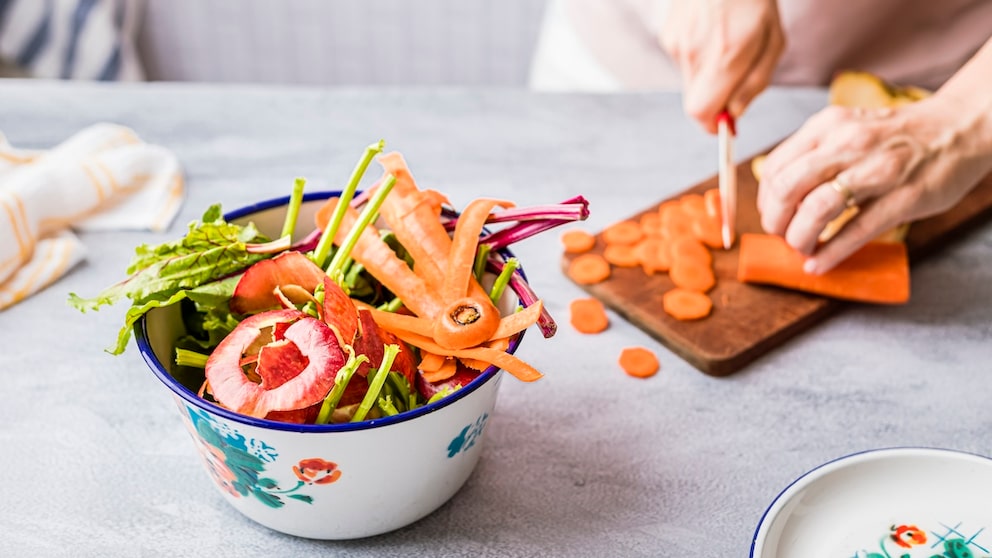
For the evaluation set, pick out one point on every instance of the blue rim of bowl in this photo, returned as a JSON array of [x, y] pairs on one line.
[[144, 347], [801, 478]]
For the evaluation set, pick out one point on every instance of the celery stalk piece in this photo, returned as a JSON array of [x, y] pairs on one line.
[[341, 380], [375, 386], [481, 255], [293, 210], [186, 357], [503, 279], [334, 269], [323, 248]]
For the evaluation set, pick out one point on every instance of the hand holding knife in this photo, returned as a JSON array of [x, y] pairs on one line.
[[728, 178]]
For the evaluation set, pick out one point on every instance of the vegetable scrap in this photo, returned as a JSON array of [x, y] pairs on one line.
[[639, 362], [352, 322], [588, 315]]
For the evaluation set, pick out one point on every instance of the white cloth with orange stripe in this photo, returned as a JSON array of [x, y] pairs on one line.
[[102, 178]]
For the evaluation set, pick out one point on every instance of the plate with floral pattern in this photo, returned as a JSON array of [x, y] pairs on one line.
[[885, 503]]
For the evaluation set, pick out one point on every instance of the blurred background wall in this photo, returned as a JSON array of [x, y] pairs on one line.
[[341, 42]]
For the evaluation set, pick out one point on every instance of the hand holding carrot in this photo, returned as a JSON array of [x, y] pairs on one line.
[[727, 52], [895, 164]]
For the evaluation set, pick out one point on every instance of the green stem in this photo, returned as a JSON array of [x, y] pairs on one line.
[[502, 280], [481, 256], [391, 306], [375, 386], [387, 407], [364, 219], [293, 211], [186, 357], [323, 248], [340, 383]]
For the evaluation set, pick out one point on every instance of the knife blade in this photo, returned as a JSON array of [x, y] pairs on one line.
[[728, 178]]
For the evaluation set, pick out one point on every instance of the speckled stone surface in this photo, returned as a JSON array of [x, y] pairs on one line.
[[94, 460]]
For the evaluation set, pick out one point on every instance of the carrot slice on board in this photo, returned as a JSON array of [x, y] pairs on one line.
[[588, 315], [577, 241], [708, 231], [712, 201], [684, 305], [654, 254], [638, 362], [623, 232], [674, 221], [692, 275], [690, 249], [877, 273], [589, 269], [622, 255], [693, 205], [651, 224]]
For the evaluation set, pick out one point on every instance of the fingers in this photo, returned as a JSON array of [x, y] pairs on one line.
[[786, 192], [759, 76], [715, 78]]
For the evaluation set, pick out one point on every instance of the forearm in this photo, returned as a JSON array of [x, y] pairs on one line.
[[968, 93]]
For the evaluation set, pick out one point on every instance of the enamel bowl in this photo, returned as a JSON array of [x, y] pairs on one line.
[[886, 503], [334, 481]]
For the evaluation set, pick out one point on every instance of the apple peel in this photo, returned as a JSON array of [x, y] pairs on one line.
[[319, 353]]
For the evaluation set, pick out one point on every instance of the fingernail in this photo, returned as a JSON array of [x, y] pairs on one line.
[[811, 266]]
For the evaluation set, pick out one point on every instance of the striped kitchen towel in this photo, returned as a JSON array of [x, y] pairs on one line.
[[70, 39], [102, 178]]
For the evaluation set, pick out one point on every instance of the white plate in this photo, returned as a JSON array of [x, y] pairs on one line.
[[887, 503]]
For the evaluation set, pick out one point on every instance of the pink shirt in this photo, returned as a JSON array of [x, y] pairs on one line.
[[917, 42]]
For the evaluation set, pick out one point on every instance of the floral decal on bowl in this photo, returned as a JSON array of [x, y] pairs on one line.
[[943, 540], [468, 436], [237, 463]]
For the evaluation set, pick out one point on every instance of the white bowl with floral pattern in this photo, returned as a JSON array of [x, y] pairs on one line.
[[331, 481]]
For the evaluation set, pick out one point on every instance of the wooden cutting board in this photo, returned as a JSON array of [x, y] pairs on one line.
[[750, 320]]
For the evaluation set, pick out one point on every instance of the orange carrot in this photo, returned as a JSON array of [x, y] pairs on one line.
[[588, 315], [692, 276], [623, 232], [622, 255], [589, 269], [877, 273], [381, 261], [683, 304], [674, 221], [654, 255], [651, 224], [430, 362], [577, 241], [708, 230], [690, 248], [713, 203], [638, 362], [500, 358], [447, 369], [498, 344], [693, 205]]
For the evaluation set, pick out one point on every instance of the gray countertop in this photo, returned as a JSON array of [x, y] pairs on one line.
[[94, 460]]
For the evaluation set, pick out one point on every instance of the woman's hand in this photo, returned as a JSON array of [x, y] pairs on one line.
[[727, 51], [895, 164]]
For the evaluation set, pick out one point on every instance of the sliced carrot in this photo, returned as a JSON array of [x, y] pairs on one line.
[[674, 221], [588, 315], [693, 205], [622, 255], [713, 203], [518, 321], [684, 305], [475, 364], [654, 254], [639, 362], [877, 273], [651, 224], [589, 269], [692, 276], [577, 241], [690, 249], [623, 232], [708, 231]]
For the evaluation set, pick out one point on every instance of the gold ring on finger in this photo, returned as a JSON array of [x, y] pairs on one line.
[[841, 187]]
